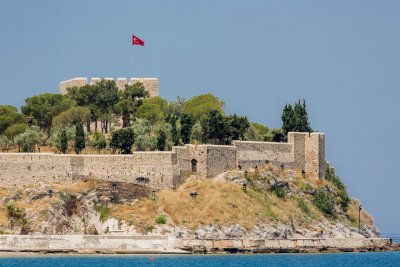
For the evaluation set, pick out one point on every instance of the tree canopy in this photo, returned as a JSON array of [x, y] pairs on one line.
[[43, 108], [201, 105]]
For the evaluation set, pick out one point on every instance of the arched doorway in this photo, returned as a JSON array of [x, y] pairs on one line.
[[194, 165]]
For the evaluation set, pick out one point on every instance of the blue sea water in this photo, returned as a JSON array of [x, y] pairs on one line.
[[340, 259]]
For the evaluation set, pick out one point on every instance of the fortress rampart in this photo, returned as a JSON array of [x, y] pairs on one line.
[[303, 151], [150, 84]]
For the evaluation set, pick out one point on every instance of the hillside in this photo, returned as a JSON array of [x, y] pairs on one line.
[[275, 203]]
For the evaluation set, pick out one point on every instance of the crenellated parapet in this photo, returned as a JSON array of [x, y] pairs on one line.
[[150, 84]]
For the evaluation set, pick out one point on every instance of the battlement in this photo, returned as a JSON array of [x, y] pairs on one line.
[[150, 84]]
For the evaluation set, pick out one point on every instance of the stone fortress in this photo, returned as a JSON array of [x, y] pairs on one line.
[[150, 84], [166, 169]]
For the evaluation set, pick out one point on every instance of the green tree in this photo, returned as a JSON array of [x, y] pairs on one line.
[[201, 105], [72, 116], [27, 140], [106, 99], [9, 116], [236, 127], [344, 198], [15, 130], [5, 143], [288, 119], [63, 141], [214, 127], [150, 112], [122, 140], [99, 141], [187, 122], [324, 201], [86, 96], [79, 138], [145, 138], [45, 107], [197, 132], [174, 130], [295, 119], [130, 99], [161, 141]]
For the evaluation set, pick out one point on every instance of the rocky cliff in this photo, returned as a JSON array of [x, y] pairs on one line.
[[264, 203]]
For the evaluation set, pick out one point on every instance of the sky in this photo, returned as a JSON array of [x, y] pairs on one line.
[[342, 57]]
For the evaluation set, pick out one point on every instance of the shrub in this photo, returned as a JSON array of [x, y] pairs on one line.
[[303, 206], [104, 212], [149, 228], [342, 192], [324, 202], [160, 219], [279, 192]]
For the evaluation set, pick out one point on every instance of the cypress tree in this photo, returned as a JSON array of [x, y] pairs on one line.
[[63, 141], [79, 138]]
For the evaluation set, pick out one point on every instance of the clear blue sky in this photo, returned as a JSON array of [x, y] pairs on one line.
[[342, 56]]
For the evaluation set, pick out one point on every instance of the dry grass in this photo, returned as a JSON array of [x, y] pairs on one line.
[[3, 217], [218, 202], [366, 218], [4, 192], [79, 186], [140, 213]]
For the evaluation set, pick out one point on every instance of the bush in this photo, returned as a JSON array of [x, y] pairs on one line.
[[303, 206], [324, 202], [279, 192], [342, 192], [161, 219], [104, 212], [149, 228]]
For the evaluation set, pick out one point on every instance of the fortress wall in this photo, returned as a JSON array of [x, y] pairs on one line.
[[220, 159], [298, 141], [75, 82], [30, 168], [189, 152], [251, 154], [150, 84], [315, 164]]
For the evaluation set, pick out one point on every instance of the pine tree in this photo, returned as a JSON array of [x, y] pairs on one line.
[[79, 138]]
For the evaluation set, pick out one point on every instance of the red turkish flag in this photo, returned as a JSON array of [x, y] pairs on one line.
[[137, 41]]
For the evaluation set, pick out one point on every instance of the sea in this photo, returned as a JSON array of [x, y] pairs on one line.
[[352, 259], [239, 260]]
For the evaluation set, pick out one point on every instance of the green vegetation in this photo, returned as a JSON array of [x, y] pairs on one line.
[[303, 206], [79, 138], [344, 198], [295, 118], [154, 123], [161, 219], [324, 201], [104, 212]]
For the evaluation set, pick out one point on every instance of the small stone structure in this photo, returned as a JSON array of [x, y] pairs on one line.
[[303, 151], [150, 84]]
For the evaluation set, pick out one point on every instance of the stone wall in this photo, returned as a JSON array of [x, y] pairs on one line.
[[30, 168], [284, 245], [251, 154], [87, 243], [150, 84], [210, 160], [166, 169], [170, 244]]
